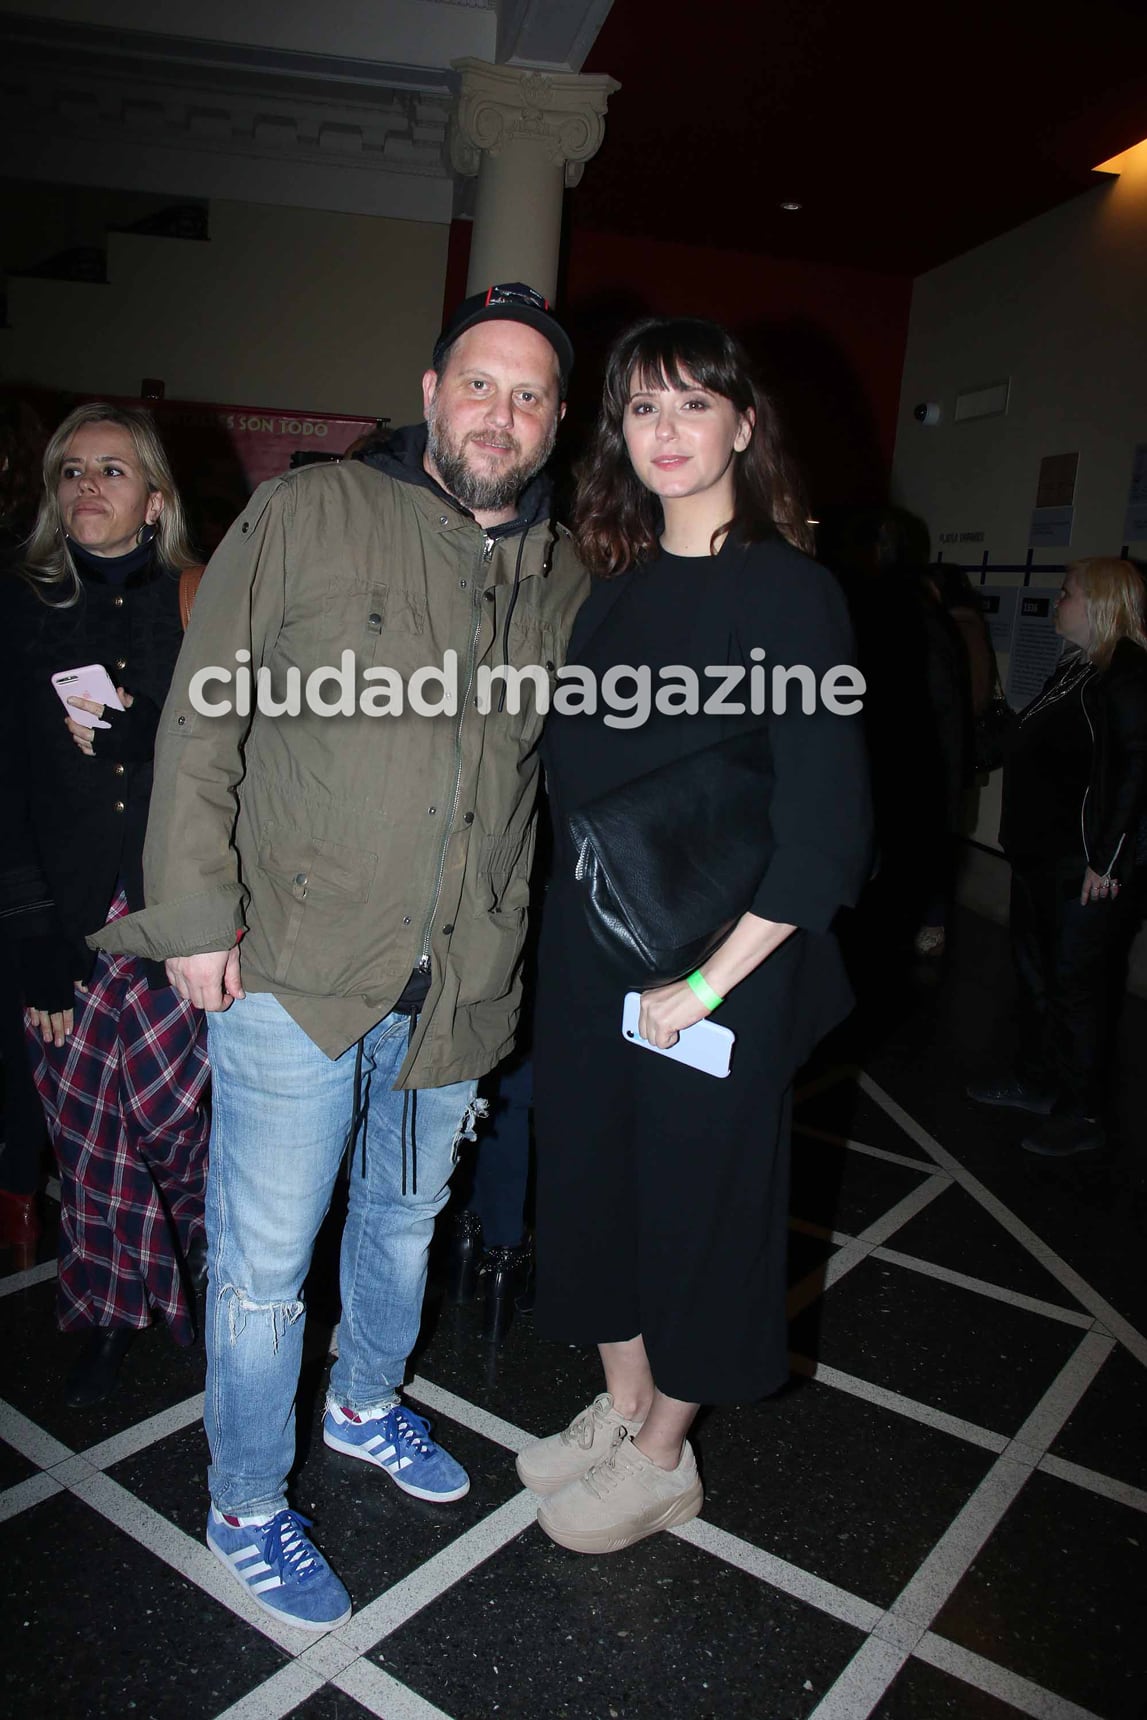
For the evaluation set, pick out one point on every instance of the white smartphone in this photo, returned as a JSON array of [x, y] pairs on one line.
[[706, 1045], [91, 682]]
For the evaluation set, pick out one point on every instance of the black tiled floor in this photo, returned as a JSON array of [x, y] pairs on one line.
[[646, 1634], [1108, 1431], [1074, 1569], [774, 1476], [329, 1704], [851, 1495], [14, 1468], [843, 1109], [921, 1692], [157, 1372], [123, 1634], [533, 1383], [845, 1190], [955, 1231], [953, 1348]]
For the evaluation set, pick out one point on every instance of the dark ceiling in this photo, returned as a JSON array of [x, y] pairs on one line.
[[907, 132]]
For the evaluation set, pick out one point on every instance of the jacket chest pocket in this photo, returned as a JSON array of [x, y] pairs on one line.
[[380, 624]]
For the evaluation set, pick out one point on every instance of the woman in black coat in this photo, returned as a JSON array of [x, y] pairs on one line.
[[663, 1192], [1074, 826], [118, 1059]]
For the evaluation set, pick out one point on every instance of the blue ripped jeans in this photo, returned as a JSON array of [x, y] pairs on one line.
[[281, 1111]]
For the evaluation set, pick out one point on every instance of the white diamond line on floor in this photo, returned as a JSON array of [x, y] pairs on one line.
[[858, 1690], [27, 1280], [30, 1441], [141, 1434], [984, 1287], [383, 1695], [429, 1581], [862, 1683], [25, 1494], [831, 1139], [911, 1408], [779, 1574], [1105, 1485], [998, 1681], [277, 1695], [319, 1661], [1076, 1286]]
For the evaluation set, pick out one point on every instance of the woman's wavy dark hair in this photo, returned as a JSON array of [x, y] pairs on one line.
[[617, 521]]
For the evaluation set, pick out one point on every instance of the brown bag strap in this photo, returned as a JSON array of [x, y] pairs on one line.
[[188, 586]]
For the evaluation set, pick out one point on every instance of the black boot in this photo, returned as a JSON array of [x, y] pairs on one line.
[[504, 1274], [94, 1376], [462, 1258], [196, 1258]]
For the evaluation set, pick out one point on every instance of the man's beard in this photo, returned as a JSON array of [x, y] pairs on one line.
[[481, 492]]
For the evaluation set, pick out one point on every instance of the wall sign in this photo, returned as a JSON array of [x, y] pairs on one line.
[[1054, 502], [998, 603], [1135, 522], [1036, 646]]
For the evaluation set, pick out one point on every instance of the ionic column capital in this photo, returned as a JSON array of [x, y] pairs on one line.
[[560, 113]]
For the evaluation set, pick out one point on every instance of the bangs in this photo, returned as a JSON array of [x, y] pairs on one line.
[[680, 354]]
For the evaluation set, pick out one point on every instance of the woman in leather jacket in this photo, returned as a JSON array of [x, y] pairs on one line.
[[1074, 826], [118, 1059]]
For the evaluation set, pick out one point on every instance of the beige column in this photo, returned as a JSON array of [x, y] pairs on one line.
[[526, 135]]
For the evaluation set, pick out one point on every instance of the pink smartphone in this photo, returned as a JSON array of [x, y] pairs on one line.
[[92, 682]]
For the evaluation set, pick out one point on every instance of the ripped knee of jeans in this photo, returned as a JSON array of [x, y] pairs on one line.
[[467, 1128], [241, 1308]]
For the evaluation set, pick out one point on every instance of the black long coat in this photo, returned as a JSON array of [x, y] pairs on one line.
[[75, 825]]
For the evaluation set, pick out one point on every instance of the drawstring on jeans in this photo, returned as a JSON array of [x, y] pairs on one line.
[[358, 1114], [362, 1106], [410, 1103]]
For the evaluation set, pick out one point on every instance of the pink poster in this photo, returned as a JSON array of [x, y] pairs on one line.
[[221, 453]]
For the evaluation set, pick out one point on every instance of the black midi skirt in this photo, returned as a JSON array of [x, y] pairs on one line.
[[662, 1193]]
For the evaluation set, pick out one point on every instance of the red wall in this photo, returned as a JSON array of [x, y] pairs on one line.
[[830, 341]]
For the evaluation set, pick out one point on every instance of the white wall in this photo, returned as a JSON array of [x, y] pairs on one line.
[[1059, 306], [281, 307]]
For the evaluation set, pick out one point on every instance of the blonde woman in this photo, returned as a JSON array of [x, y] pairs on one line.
[[1074, 827], [118, 1059]]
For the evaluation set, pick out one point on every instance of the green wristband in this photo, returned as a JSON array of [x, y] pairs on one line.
[[701, 989]]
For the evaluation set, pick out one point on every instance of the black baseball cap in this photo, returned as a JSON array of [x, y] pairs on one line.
[[512, 301]]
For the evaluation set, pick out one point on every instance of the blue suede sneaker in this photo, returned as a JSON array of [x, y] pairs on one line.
[[282, 1571], [400, 1443]]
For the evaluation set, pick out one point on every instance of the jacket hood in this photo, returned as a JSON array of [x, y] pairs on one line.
[[400, 456]]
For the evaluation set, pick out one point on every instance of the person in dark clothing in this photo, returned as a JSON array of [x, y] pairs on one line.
[[905, 651], [118, 1059], [659, 1187], [1074, 827], [948, 678]]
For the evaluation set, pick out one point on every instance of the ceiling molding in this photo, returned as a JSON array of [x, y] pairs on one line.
[[556, 34], [207, 125]]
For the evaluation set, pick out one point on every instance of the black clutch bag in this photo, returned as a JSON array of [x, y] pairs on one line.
[[991, 730], [669, 862]]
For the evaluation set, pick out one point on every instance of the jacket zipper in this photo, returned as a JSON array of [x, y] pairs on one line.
[[1087, 791], [423, 963]]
